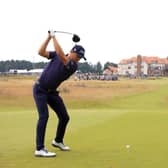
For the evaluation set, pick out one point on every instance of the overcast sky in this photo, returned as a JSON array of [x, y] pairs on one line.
[[110, 30]]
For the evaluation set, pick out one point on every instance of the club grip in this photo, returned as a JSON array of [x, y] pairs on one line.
[[49, 31]]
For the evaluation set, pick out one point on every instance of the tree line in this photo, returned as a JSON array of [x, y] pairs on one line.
[[85, 67]]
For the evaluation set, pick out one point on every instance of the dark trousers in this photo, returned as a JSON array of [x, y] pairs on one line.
[[43, 98]]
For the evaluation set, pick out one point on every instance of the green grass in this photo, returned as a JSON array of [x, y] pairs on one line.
[[97, 134]]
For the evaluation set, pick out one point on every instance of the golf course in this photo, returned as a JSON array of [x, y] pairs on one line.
[[113, 124]]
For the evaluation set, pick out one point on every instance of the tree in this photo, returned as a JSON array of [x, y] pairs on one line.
[[5, 66], [98, 68], [85, 67], [39, 65]]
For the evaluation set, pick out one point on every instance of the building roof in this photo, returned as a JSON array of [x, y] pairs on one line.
[[110, 70], [148, 60]]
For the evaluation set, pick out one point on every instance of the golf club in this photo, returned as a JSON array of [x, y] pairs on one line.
[[75, 37]]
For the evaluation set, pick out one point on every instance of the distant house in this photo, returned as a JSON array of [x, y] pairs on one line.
[[110, 70], [143, 65], [110, 73]]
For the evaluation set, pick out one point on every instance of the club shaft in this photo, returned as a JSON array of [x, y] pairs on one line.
[[63, 32]]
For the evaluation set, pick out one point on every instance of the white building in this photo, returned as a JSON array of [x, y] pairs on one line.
[[142, 65], [35, 71], [18, 71], [25, 71]]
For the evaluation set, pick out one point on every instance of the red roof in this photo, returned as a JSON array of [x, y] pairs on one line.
[[146, 59]]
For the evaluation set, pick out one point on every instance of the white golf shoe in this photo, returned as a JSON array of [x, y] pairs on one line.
[[44, 153], [60, 145]]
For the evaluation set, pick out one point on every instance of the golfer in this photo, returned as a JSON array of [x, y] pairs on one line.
[[60, 68]]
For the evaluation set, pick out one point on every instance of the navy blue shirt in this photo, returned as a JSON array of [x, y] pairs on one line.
[[56, 72]]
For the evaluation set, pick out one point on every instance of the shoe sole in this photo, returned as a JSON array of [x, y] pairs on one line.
[[60, 148], [45, 156]]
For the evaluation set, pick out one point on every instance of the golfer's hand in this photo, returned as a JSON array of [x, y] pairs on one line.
[[51, 33]]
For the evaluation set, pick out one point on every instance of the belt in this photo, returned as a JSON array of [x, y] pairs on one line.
[[45, 89]]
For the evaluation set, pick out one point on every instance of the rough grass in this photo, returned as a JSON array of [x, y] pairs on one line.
[[105, 117], [77, 94]]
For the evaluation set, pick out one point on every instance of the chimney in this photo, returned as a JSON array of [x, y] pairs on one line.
[[139, 61]]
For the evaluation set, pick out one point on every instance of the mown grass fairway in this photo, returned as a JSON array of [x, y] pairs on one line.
[[105, 117]]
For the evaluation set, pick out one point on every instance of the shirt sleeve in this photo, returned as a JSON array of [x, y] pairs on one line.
[[52, 54]]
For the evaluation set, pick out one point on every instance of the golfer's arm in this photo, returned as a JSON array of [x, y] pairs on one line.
[[59, 51], [42, 50]]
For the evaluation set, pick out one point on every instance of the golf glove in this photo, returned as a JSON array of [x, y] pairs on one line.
[[52, 33]]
